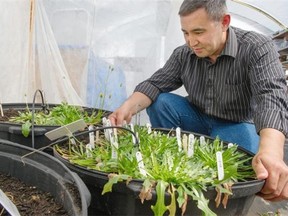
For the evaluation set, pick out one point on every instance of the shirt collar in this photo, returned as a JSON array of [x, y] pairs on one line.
[[231, 45]]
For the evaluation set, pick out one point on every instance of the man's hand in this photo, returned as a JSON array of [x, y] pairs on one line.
[[120, 116], [269, 165], [135, 103]]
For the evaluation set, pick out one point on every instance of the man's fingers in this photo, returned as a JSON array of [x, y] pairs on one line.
[[259, 168]]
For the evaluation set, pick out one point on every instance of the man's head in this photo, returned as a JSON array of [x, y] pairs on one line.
[[204, 24]]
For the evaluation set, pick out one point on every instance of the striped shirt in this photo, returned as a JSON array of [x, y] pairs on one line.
[[245, 84]]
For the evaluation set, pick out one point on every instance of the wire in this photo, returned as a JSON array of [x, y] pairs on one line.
[[261, 11]]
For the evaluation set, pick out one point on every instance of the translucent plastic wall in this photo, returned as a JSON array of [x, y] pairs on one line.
[[86, 52]]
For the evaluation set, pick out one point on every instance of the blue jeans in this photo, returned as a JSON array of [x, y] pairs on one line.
[[171, 111]]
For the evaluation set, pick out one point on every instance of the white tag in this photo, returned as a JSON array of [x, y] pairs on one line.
[[8, 204], [72, 140], [109, 131], [133, 137], [115, 134], [178, 136], [190, 151], [185, 142], [170, 162], [140, 163], [220, 167], [104, 121], [148, 125], [1, 109], [97, 136], [114, 148], [89, 148], [202, 140], [230, 145], [66, 130], [91, 136]]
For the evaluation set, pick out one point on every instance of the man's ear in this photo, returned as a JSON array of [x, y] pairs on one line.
[[226, 22]]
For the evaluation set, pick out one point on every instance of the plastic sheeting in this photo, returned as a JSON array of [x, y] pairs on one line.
[[91, 52]]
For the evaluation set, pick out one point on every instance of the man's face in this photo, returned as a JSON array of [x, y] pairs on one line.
[[204, 36]]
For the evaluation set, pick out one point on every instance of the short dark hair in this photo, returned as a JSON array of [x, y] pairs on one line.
[[214, 8]]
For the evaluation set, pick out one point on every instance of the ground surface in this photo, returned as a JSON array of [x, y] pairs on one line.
[[28, 199]]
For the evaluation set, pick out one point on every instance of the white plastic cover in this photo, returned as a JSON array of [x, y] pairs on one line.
[[93, 52]]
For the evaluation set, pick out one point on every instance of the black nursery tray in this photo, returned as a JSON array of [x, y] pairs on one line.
[[13, 131], [124, 198]]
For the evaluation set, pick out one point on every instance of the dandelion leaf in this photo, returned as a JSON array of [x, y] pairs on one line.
[[159, 208]]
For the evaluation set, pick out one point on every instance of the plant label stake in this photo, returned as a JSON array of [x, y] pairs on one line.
[[91, 136], [89, 149], [178, 136], [202, 140], [148, 125], [66, 130], [190, 150], [230, 145], [114, 146], [132, 129], [220, 167], [185, 142], [8, 204], [97, 136], [1, 109], [106, 123], [140, 163]]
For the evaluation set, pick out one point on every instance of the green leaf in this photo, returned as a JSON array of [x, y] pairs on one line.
[[26, 129], [202, 202], [160, 208], [172, 206], [113, 179]]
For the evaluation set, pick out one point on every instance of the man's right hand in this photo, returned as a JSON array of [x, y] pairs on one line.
[[134, 104]]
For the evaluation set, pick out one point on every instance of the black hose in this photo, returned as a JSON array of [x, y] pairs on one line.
[[33, 112]]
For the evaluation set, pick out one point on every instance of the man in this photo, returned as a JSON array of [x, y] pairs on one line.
[[236, 90]]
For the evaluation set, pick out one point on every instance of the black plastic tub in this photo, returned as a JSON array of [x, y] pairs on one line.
[[13, 131], [47, 174], [124, 198]]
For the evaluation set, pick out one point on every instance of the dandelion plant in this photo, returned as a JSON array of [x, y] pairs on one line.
[[184, 169]]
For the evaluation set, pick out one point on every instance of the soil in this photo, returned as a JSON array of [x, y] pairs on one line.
[[8, 113], [28, 199]]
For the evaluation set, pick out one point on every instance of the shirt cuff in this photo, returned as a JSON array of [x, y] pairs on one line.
[[272, 119]]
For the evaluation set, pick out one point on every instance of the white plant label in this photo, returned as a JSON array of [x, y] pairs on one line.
[[191, 142], [108, 132], [170, 162], [72, 140], [115, 134], [97, 136], [202, 140], [1, 109], [89, 149], [8, 204], [185, 142], [230, 145], [220, 166], [133, 137], [114, 149], [106, 123], [91, 136], [66, 130], [178, 137], [149, 128], [140, 163]]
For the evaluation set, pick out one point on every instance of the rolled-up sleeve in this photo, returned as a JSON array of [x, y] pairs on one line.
[[269, 89]]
